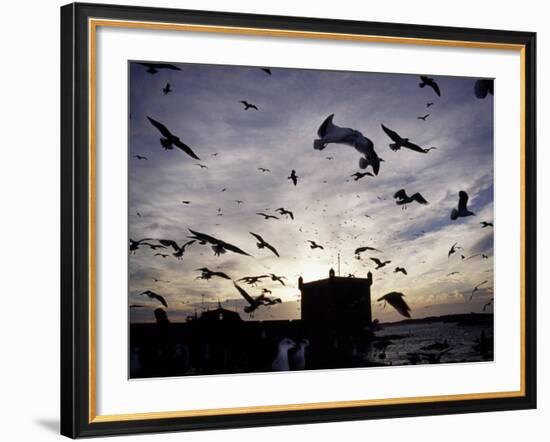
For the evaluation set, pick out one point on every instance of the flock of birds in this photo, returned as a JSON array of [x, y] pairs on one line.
[[328, 133]]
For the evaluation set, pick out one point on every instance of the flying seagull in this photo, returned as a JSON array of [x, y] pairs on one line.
[[429, 104], [462, 210], [453, 273], [202, 166], [483, 87], [178, 250], [400, 269], [399, 142], [134, 245], [379, 264], [208, 274], [252, 280], [248, 105], [314, 245], [267, 216], [162, 255], [453, 249], [427, 81], [328, 133], [266, 70], [153, 295], [276, 278], [360, 250], [167, 89], [263, 169], [253, 304], [403, 199], [283, 211], [485, 224], [140, 157], [358, 175], [262, 243], [423, 118], [169, 140], [293, 177], [218, 246], [395, 299], [153, 68], [476, 288]]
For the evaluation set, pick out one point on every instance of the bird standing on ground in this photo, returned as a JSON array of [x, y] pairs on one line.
[[281, 363]]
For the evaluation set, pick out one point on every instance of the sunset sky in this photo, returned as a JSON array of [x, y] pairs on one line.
[[328, 205]]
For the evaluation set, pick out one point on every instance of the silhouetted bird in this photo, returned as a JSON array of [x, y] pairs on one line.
[[360, 250], [488, 304], [169, 140], [153, 295], [358, 175], [476, 288], [186, 202], [153, 68], [484, 256], [453, 273], [263, 169], [423, 118], [202, 166], [178, 250], [162, 255], [239, 201], [208, 274], [266, 70], [314, 245], [402, 198], [140, 157], [134, 245], [262, 243], [427, 81], [276, 278], [483, 87], [153, 246], [400, 269], [379, 264], [453, 249], [293, 177], [395, 299], [252, 280], [283, 211], [159, 280], [328, 133], [399, 142], [485, 224], [429, 104], [218, 246], [248, 105], [429, 148], [462, 210], [267, 216], [167, 89]]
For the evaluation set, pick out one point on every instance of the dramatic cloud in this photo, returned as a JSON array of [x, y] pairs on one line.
[[329, 206]]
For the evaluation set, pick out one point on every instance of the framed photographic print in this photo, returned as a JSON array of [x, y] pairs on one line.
[[255, 206]]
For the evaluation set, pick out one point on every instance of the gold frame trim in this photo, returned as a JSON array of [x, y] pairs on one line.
[[93, 24]]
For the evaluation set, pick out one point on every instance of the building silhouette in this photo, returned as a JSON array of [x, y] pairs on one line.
[[337, 300]]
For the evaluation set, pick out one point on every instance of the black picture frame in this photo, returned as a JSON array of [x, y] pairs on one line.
[[76, 417]]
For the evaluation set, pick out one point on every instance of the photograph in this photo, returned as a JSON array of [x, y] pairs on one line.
[[286, 219]]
